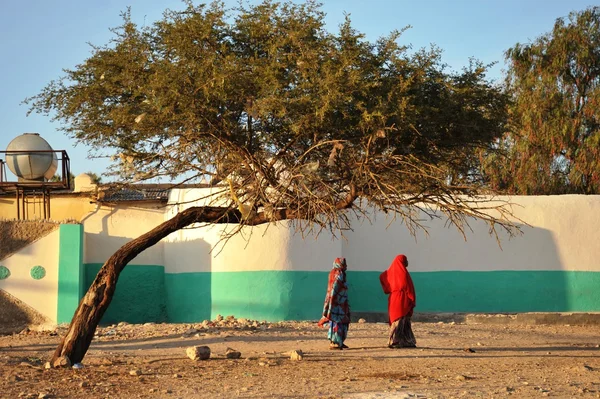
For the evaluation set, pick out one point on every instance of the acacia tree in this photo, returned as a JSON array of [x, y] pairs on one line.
[[552, 145], [293, 123]]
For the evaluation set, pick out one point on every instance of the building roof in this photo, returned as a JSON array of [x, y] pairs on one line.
[[141, 192], [130, 194]]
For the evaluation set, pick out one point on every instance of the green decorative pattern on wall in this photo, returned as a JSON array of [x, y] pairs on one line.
[[4, 272], [37, 272]]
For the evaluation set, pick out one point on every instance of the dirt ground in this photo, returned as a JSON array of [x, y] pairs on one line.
[[452, 360]]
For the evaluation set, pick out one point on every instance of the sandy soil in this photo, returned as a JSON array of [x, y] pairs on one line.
[[452, 361]]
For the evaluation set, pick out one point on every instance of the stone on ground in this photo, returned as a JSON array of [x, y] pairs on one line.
[[232, 354], [198, 352]]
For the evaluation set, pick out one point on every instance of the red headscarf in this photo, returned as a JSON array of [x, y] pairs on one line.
[[396, 282]]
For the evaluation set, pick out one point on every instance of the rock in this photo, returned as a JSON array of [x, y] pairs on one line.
[[191, 331], [242, 321], [122, 324], [232, 354], [219, 318], [469, 350], [230, 318], [461, 377], [84, 384], [587, 368], [62, 361], [15, 378], [153, 390], [361, 320], [43, 395], [198, 352], [296, 354], [206, 323], [47, 365], [177, 375], [149, 324], [136, 372]]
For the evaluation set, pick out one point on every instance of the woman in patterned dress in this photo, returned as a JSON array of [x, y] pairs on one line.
[[336, 310]]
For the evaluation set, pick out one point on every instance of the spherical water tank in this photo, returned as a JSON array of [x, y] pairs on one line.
[[29, 164]]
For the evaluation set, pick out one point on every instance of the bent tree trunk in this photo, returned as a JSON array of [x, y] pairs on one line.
[[92, 306]]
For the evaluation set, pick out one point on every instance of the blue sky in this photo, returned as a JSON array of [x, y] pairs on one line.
[[39, 38]]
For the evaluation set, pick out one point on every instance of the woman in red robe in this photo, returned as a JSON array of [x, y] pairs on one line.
[[398, 285]]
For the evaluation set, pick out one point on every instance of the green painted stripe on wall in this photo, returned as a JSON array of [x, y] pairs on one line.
[[493, 292], [144, 293], [295, 295], [139, 296], [260, 295], [70, 271]]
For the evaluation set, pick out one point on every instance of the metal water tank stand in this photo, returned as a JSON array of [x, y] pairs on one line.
[[35, 192], [27, 196]]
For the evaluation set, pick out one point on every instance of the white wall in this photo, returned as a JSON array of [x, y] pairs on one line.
[[562, 235], [42, 295], [264, 247], [109, 227]]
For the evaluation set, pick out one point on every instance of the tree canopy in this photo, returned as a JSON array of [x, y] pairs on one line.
[[285, 120], [301, 122], [553, 140]]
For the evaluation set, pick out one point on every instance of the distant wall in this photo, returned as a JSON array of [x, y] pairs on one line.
[[62, 207], [272, 273], [269, 272]]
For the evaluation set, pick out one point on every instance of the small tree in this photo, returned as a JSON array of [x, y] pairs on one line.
[[96, 178], [552, 144], [291, 121]]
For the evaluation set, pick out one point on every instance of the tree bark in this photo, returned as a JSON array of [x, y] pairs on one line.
[[92, 306]]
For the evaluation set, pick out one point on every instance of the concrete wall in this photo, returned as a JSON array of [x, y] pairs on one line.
[[140, 294], [62, 207], [269, 272], [39, 293]]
